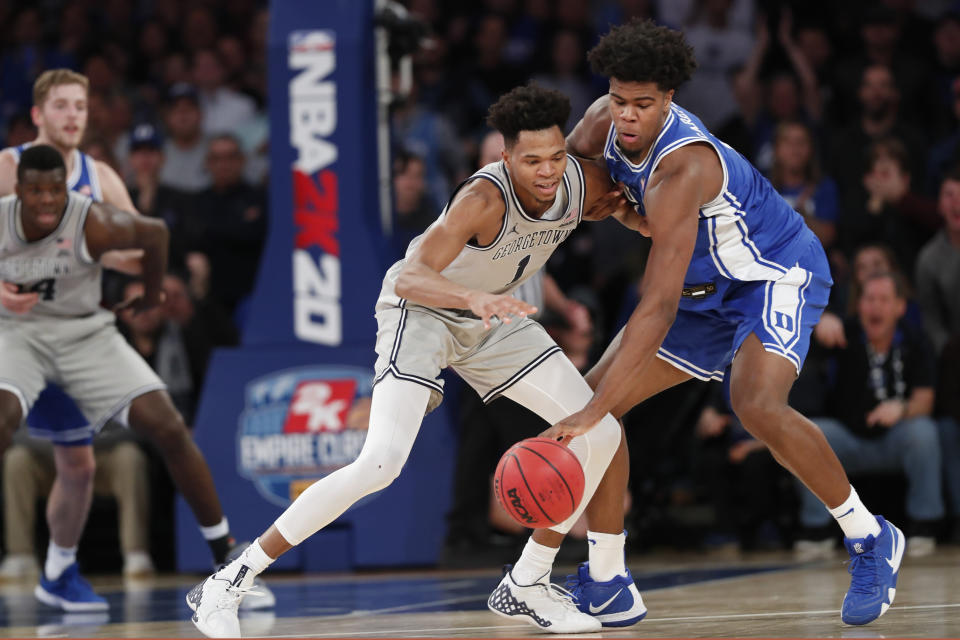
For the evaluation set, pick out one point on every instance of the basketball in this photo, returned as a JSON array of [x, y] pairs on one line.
[[539, 482]]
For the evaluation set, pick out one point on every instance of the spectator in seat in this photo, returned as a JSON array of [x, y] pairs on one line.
[[231, 219], [797, 177], [185, 150], [879, 415], [937, 280]]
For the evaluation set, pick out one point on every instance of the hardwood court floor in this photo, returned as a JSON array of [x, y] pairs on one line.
[[760, 595]]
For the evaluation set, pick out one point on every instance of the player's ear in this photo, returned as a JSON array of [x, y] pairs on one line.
[[667, 99]]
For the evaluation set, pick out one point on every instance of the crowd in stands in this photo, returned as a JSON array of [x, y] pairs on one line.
[[851, 110]]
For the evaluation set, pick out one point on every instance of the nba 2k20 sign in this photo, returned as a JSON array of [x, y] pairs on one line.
[[298, 425], [317, 313]]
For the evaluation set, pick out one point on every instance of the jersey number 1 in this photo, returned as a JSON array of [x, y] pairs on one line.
[[520, 267]]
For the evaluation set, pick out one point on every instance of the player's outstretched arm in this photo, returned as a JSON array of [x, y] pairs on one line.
[[108, 228], [684, 180], [475, 213]]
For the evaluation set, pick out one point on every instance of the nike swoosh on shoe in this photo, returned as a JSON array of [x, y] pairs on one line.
[[596, 610]]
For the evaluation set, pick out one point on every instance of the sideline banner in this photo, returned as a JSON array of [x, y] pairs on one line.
[[291, 405]]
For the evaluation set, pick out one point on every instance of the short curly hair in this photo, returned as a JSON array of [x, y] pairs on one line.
[[642, 51], [528, 108]]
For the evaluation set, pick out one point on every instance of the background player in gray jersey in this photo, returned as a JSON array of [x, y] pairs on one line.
[[481, 333], [60, 114], [90, 355]]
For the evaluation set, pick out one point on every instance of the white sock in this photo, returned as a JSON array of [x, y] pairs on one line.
[[58, 559], [535, 562], [854, 518], [254, 558], [606, 555], [215, 531]]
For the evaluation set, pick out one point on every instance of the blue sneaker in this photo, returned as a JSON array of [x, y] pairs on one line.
[[615, 603], [70, 592], [874, 567]]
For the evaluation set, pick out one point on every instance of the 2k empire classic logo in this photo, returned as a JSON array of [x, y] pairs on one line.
[[299, 425]]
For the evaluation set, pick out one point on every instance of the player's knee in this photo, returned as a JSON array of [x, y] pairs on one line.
[[378, 470], [78, 467], [756, 412]]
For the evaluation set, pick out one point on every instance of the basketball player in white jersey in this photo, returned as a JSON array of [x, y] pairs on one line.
[[449, 303], [60, 114]]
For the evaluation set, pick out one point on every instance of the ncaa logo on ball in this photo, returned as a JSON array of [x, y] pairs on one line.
[[299, 425]]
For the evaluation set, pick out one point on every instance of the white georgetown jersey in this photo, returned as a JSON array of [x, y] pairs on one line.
[[522, 247], [57, 267]]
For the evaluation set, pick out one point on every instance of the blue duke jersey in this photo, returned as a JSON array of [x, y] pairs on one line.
[[83, 179], [756, 267], [747, 233]]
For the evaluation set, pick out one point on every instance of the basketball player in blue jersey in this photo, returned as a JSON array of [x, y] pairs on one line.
[[60, 114], [450, 303], [734, 284]]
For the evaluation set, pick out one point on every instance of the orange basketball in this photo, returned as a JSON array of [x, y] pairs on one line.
[[539, 482]]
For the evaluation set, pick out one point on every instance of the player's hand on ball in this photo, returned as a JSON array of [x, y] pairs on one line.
[[487, 305], [570, 427], [17, 302]]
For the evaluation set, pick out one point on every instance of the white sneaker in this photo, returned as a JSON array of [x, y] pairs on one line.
[[19, 566], [137, 564], [259, 598], [262, 597], [542, 604], [215, 602]]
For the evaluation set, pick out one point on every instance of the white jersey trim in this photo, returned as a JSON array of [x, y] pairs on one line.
[[583, 185], [688, 367], [77, 170], [96, 190], [556, 202], [506, 208]]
